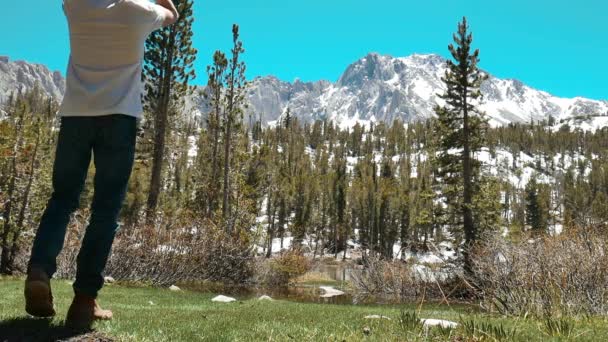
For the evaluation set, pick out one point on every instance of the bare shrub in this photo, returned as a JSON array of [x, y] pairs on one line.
[[183, 250], [549, 276], [403, 281], [66, 261], [225, 258]]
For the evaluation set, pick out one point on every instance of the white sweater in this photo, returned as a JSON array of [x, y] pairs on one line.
[[107, 48]]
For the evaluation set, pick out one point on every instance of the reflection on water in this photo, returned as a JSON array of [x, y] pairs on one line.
[[335, 272], [300, 293], [305, 294]]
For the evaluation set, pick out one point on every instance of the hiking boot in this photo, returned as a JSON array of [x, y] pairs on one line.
[[38, 295], [84, 311]]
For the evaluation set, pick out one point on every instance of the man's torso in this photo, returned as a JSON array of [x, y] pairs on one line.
[[107, 47]]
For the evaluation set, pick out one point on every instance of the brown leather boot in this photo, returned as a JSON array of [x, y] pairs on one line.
[[38, 295], [84, 311]]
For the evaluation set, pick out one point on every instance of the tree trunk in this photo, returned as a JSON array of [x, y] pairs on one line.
[[270, 231], [160, 128], [216, 137], [225, 206], [469, 227]]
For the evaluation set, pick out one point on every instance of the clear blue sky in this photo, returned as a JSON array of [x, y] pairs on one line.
[[555, 45]]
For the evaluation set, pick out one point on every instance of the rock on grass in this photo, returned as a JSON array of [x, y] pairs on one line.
[[430, 322], [377, 317], [223, 299]]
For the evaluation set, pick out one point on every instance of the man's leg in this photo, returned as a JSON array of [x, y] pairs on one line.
[[114, 152], [72, 158]]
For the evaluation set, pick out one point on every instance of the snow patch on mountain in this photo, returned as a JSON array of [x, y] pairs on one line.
[[383, 88]]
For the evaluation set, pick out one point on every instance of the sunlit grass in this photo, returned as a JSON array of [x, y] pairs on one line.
[[155, 314]]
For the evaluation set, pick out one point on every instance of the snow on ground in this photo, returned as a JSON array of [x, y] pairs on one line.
[[193, 149], [518, 168], [276, 244], [430, 259]]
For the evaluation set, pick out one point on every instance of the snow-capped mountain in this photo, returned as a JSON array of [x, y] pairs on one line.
[[374, 88], [379, 87], [15, 75]]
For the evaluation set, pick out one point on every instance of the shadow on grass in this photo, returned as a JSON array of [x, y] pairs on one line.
[[27, 329]]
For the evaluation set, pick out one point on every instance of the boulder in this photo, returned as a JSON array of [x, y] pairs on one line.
[[174, 288]]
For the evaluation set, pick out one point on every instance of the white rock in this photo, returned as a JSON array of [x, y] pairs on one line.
[[330, 292], [265, 298], [223, 299], [108, 280], [430, 322], [151, 303], [377, 317], [174, 288]]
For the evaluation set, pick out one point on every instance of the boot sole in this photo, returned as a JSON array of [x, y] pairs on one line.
[[38, 302]]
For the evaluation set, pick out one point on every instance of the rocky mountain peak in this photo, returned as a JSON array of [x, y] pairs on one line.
[[374, 88], [15, 75]]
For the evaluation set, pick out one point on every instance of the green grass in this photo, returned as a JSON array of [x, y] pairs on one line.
[[191, 316]]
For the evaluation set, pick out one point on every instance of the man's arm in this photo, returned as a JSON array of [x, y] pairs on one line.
[[171, 14]]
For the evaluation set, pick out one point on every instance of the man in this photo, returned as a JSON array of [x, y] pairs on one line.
[[99, 114]]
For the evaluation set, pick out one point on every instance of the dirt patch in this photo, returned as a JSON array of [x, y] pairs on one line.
[[90, 337]]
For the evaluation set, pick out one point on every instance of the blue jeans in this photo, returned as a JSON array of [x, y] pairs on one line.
[[111, 139]]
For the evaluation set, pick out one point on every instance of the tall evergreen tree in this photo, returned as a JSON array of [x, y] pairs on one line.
[[168, 69], [534, 217], [460, 126], [233, 115], [215, 88]]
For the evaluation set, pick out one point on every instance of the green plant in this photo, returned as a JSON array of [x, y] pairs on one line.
[[286, 267], [486, 331], [562, 327], [409, 321]]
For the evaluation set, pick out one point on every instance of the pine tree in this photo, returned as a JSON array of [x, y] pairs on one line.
[[168, 69], [233, 114], [534, 212], [460, 126], [213, 95]]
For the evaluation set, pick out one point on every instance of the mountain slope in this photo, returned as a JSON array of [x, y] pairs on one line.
[[374, 88], [379, 87], [16, 75]]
